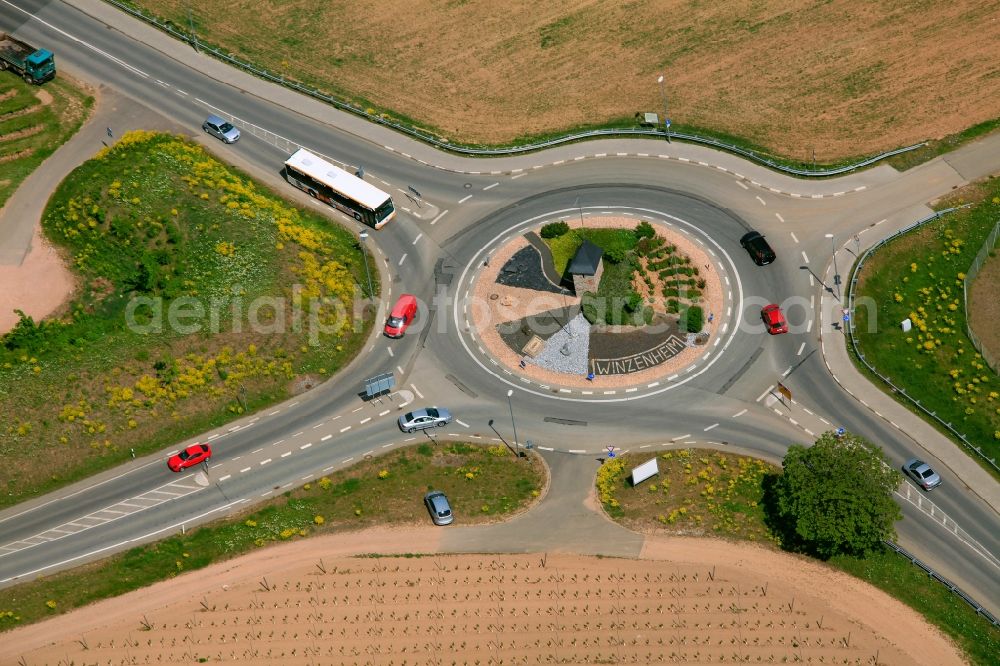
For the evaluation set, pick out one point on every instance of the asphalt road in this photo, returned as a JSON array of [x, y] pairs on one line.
[[725, 404]]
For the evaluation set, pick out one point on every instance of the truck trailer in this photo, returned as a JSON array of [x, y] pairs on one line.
[[33, 65]]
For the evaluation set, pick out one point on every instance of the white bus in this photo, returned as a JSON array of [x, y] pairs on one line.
[[341, 189]]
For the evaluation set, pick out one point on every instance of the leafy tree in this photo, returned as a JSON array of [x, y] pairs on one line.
[[835, 497]]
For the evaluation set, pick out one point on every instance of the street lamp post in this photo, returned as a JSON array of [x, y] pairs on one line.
[[517, 450], [836, 272], [666, 112], [364, 253]]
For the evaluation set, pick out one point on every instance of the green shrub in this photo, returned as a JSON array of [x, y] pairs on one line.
[[26, 334], [616, 254], [633, 302], [644, 230], [673, 306], [692, 319], [554, 229], [588, 305]]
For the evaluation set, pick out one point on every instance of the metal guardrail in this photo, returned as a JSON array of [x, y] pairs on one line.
[[970, 275], [976, 606], [918, 500], [857, 349], [192, 39]]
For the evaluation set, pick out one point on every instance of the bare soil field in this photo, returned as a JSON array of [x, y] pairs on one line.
[[842, 78], [684, 600]]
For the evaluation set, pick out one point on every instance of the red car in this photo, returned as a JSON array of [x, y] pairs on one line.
[[402, 316], [775, 321], [189, 457]]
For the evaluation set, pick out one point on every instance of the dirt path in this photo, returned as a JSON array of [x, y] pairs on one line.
[[690, 599], [37, 287]]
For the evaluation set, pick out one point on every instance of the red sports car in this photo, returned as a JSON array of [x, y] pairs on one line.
[[189, 457], [775, 321]]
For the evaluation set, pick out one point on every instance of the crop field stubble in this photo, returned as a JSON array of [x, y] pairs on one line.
[[523, 608], [791, 76]]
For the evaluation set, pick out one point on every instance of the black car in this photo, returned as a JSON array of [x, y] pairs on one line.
[[757, 247]]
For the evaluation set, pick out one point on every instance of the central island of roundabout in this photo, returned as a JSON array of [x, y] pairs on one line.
[[617, 305]]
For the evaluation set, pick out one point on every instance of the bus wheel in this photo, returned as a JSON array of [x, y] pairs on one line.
[[357, 216], [312, 193]]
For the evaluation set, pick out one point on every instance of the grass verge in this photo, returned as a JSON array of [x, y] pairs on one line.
[[706, 492], [919, 276], [932, 149], [482, 483], [201, 295]]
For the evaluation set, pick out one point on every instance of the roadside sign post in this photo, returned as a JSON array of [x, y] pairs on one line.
[[379, 385], [417, 197], [786, 393], [611, 451]]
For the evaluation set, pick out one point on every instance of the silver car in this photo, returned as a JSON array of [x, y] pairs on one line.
[[421, 419], [439, 507], [221, 129], [922, 473]]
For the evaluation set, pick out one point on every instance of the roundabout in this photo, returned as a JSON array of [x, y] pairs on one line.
[[525, 322], [450, 243]]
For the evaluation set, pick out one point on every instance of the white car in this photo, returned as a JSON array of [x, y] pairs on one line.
[[421, 419]]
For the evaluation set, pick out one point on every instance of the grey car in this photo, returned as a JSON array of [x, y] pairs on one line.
[[421, 419], [922, 473], [221, 129], [439, 507]]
